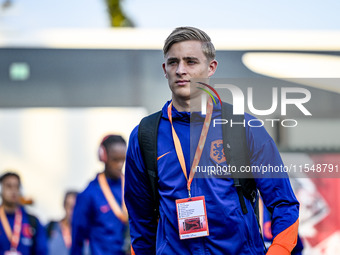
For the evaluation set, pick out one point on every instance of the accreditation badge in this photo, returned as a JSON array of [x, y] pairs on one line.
[[192, 217], [12, 252]]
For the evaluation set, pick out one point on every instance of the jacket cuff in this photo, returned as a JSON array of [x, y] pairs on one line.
[[276, 249]]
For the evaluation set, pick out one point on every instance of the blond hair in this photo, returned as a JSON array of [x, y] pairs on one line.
[[181, 34]]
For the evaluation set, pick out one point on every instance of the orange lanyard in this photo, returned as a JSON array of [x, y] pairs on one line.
[[121, 213], [199, 150], [13, 237]]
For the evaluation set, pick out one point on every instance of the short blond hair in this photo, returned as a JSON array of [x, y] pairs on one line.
[[181, 34]]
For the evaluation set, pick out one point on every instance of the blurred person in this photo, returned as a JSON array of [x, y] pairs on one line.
[[171, 211], [59, 232], [20, 232], [100, 214]]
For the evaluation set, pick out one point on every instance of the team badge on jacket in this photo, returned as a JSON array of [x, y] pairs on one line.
[[217, 151]]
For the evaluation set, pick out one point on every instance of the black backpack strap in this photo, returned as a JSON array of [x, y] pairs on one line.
[[240, 195], [147, 138], [236, 152], [33, 221]]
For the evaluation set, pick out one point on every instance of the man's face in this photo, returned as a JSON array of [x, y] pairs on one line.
[[183, 62], [115, 159], [69, 205], [10, 191]]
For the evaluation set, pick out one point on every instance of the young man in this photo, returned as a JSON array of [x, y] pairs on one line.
[[100, 215], [189, 54], [59, 233], [20, 233]]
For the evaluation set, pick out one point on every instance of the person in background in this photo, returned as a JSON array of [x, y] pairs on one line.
[[20, 232], [59, 233], [100, 214]]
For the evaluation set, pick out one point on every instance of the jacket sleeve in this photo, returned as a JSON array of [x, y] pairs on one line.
[[80, 222], [285, 241], [276, 191], [138, 200], [280, 200]]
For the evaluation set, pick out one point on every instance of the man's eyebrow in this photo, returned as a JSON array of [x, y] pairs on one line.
[[191, 58], [171, 59]]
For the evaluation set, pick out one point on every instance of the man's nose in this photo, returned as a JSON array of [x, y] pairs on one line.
[[181, 69]]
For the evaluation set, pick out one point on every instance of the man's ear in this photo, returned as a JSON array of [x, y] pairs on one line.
[[212, 67], [164, 70]]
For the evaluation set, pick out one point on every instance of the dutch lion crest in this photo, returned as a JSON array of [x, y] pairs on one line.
[[217, 151]]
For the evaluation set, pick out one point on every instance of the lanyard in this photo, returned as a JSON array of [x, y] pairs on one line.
[[66, 233], [199, 150], [13, 237], [121, 213]]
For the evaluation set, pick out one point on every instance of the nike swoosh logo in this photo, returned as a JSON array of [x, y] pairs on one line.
[[161, 156]]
